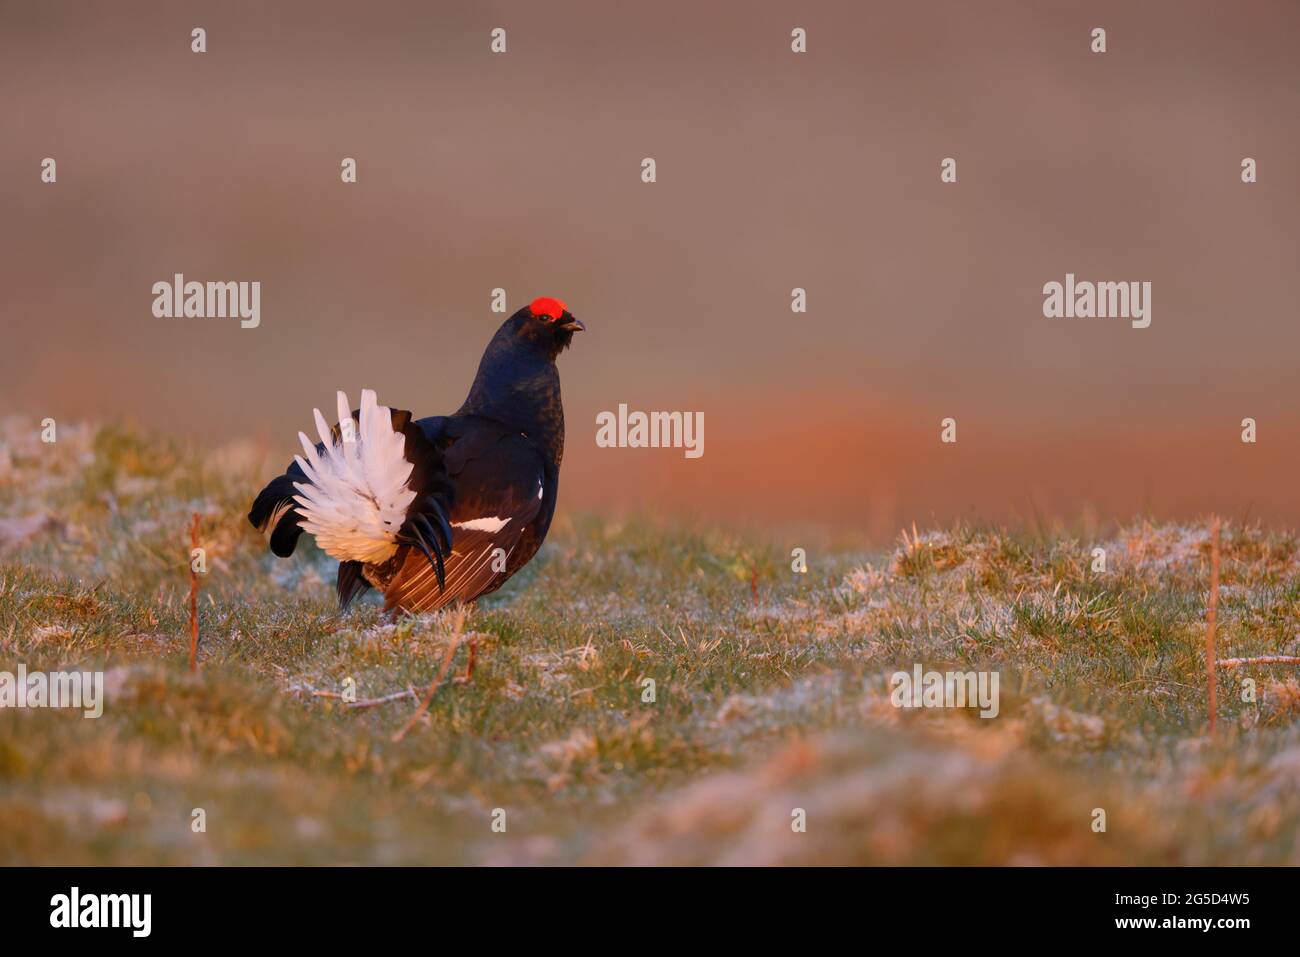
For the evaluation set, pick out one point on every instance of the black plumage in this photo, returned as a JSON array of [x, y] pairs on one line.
[[486, 478]]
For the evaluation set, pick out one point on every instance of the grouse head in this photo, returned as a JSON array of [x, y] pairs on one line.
[[544, 327], [518, 382]]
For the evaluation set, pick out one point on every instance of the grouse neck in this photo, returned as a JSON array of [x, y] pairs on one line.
[[522, 392]]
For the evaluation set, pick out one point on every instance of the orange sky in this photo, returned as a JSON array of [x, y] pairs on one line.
[[775, 170]]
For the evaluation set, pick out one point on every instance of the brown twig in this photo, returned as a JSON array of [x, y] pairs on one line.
[[194, 596], [366, 702], [1211, 620], [1260, 660], [469, 667], [452, 645]]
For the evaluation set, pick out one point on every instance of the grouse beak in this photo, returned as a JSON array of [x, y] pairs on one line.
[[571, 324]]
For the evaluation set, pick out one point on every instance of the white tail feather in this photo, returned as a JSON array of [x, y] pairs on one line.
[[355, 497]]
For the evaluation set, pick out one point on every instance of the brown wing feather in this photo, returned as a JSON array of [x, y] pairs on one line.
[[500, 480], [470, 573]]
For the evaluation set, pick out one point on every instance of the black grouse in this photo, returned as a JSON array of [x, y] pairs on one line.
[[443, 509]]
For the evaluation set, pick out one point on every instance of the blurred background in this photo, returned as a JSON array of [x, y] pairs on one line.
[[775, 170]]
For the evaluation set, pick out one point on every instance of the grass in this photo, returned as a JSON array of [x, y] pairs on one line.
[[761, 706]]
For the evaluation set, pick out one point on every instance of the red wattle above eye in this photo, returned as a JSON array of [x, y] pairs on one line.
[[552, 309]]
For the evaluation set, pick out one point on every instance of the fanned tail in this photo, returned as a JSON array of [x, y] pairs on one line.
[[372, 485], [355, 496]]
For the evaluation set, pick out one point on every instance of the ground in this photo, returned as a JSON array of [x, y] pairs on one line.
[[771, 691]]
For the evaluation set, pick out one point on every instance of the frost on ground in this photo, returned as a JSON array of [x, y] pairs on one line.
[[643, 693]]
